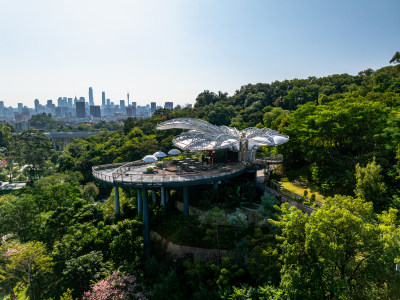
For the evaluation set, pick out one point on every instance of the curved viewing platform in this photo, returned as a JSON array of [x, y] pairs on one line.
[[174, 173]]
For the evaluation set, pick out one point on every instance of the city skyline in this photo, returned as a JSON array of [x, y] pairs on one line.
[[172, 51]]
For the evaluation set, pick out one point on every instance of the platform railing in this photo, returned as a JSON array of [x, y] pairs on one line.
[[128, 167], [162, 178], [119, 175]]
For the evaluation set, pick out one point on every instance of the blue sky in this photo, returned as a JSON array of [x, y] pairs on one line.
[[173, 50]]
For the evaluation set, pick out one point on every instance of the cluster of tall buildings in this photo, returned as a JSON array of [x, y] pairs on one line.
[[78, 110]]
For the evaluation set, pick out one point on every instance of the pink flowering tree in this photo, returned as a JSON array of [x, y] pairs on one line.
[[116, 286]]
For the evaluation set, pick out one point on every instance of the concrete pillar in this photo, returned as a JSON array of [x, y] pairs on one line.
[[153, 196], [54, 144], [167, 195], [146, 227], [185, 200], [215, 185], [59, 144], [139, 200], [163, 198], [116, 200]]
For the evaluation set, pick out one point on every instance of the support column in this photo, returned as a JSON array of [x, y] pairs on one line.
[[146, 227], [167, 195], [153, 196], [54, 144], [116, 200], [163, 198], [185, 200], [59, 144], [215, 185], [139, 200]]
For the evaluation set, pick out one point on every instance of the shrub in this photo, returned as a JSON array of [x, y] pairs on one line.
[[312, 199]]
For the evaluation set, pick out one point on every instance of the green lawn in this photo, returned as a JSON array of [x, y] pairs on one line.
[[300, 191]]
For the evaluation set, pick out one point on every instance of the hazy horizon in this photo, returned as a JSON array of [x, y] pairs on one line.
[[172, 51]]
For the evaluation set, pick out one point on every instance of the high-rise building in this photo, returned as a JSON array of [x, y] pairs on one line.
[[127, 96], [108, 102], [134, 104], [60, 102], [91, 101], [80, 110], [129, 111], [169, 105], [95, 111], [122, 104], [153, 108], [1, 104], [70, 102], [37, 105], [49, 103], [103, 98]]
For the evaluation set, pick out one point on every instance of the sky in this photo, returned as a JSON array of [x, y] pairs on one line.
[[173, 50]]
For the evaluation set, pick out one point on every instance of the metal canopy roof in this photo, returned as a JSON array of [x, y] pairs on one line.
[[205, 136]]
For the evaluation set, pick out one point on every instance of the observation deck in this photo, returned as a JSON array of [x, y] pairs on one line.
[[172, 174], [176, 173]]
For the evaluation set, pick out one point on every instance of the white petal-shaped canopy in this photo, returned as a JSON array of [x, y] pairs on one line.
[[149, 158], [205, 136], [159, 154]]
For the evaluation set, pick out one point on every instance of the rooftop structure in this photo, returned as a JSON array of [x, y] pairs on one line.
[[205, 136]]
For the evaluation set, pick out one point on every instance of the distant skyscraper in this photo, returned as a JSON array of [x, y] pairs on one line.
[[37, 105], [122, 104], [134, 104], [49, 103], [80, 110], [103, 98], [20, 106], [108, 102], [129, 111], [81, 99], [127, 96], [1, 104], [91, 101], [153, 107], [70, 102], [169, 105], [60, 101], [95, 111]]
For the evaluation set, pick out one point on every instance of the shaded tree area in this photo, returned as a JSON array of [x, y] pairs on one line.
[[44, 122]]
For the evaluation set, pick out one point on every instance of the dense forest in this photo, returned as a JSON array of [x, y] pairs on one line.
[[61, 239]]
